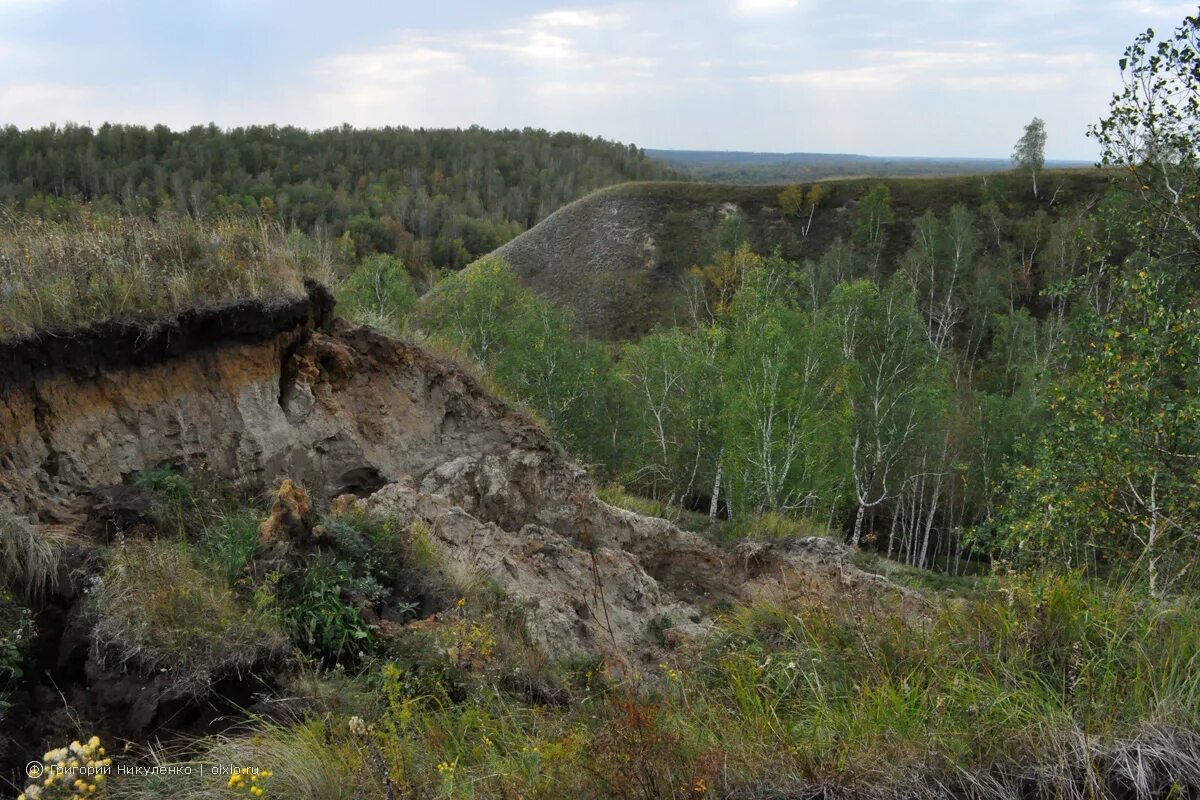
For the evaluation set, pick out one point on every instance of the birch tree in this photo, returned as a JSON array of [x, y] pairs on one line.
[[887, 372]]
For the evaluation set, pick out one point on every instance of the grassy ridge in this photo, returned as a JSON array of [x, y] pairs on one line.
[[59, 277]]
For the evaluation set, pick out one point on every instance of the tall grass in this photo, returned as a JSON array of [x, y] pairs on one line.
[[157, 606], [60, 276], [29, 559], [1054, 687]]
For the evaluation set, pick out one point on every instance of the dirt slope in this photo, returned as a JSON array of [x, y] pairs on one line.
[[344, 409]]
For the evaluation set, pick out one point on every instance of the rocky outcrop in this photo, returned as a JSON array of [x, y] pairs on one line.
[[343, 410]]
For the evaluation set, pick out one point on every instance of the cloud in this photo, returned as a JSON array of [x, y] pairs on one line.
[[527, 43], [966, 65], [578, 18], [754, 8], [409, 59]]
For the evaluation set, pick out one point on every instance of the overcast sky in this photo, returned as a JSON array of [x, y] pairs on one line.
[[878, 77]]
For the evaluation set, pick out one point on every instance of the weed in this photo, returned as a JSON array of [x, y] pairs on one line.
[[318, 619]]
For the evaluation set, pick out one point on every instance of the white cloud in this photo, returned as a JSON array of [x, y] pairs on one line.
[[527, 43], [750, 8], [409, 59], [578, 18], [976, 65]]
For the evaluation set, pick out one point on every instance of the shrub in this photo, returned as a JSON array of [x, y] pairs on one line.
[[316, 617], [378, 292], [157, 607], [16, 632]]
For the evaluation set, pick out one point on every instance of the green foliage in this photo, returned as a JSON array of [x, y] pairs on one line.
[[316, 616], [671, 423], [379, 292], [428, 196], [230, 542], [1152, 130], [784, 411], [1115, 478], [529, 347], [991, 696], [1030, 152], [17, 631], [875, 217]]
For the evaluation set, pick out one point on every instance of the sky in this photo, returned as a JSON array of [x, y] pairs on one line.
[[949, 78]]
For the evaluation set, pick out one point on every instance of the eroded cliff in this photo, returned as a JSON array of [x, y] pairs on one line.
[[254, 395]]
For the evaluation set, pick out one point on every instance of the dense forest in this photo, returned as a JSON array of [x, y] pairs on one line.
[[430, 197]]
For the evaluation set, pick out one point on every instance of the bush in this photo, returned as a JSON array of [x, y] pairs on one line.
[[378, 292], [317, 618]]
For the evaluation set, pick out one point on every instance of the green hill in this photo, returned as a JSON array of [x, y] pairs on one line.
[[617, 258]]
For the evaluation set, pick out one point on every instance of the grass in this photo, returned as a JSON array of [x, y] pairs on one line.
[[769, 525], [28, 558], [157, 608], [1052, 686], [62, 276], [616, 495]]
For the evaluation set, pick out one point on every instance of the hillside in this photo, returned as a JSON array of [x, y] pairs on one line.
[[449, 609], [127, 457], [616, 258], [733, 166]]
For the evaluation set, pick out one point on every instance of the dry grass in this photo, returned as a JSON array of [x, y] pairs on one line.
[[61, 276], [158, 608], [28, 558]]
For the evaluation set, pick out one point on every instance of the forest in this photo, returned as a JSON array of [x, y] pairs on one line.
[[434, 198]]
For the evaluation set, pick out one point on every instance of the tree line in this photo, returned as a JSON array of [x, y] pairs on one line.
[[433, 198]]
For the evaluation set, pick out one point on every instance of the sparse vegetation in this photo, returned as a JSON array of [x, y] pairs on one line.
[[1057, 683]]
